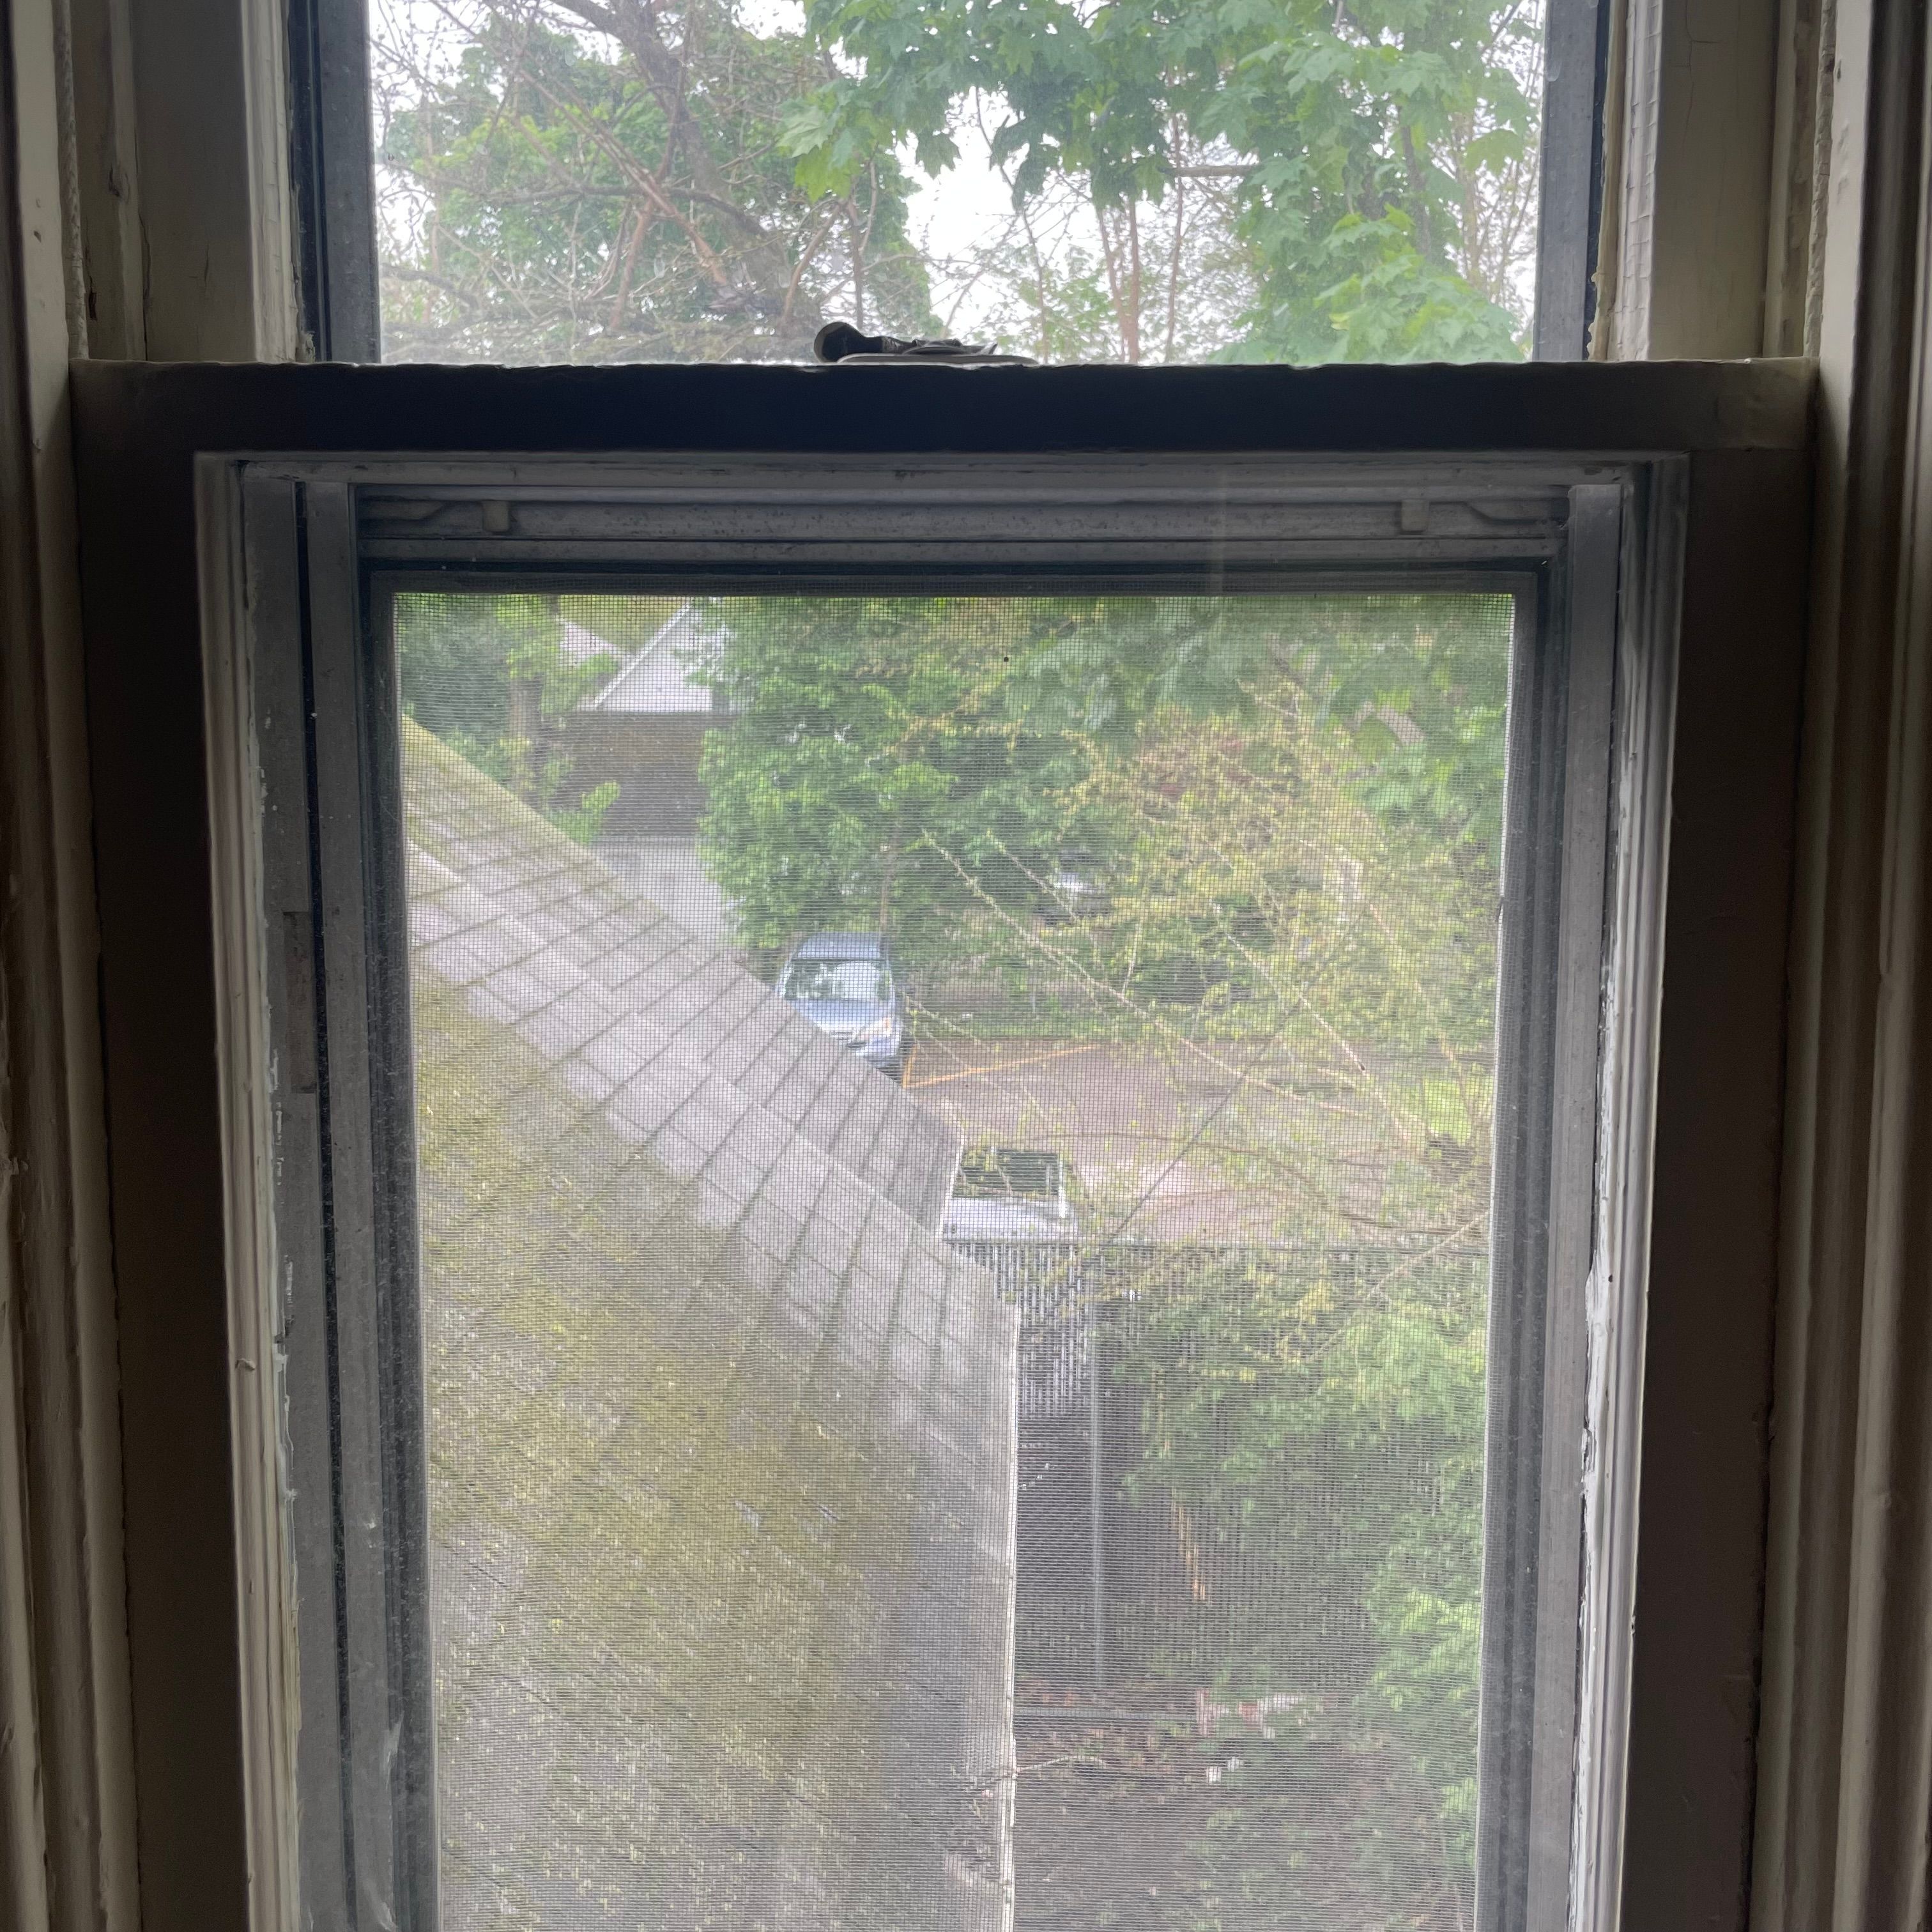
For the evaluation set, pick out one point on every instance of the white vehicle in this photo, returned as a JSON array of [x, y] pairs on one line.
[[1010, 1193]]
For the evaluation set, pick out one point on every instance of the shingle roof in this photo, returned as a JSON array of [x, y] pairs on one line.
[[576, 911], [721, 1435]]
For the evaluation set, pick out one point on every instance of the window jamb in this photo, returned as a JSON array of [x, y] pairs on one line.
[[1570, 202], [332, 176]]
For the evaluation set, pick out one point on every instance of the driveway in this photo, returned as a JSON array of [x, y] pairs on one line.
[[1171, 1142]]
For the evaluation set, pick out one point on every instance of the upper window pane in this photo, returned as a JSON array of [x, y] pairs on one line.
[[1154, 181]]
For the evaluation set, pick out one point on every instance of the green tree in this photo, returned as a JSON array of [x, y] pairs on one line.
[[912, 762], [882, 769], [1340, 1414], [1328, 1395], [1257, 179], [1374, 152], [1417, 684], [490, 677], [594, 182]]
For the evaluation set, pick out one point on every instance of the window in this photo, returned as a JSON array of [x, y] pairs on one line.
[[593, 182], [711, 1494], [823, 978]]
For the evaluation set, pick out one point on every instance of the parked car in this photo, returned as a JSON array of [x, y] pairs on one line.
[[1006, 1193], [844, 983]]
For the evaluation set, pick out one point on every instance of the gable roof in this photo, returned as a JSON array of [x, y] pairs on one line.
[[577, 643], [722, 1443], [577, 912], [660, 674]]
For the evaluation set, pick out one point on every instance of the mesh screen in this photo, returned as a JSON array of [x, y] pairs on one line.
[[954, 1138]]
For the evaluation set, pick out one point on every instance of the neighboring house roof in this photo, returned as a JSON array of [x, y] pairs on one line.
[[579, 644], [719, 1013], [721, 1435], [661, 675]]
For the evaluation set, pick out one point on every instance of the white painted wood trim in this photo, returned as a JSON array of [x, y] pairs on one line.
[[67, 1850], [211, 116], [1687, 179], [1845, 1759], [1646, 707]]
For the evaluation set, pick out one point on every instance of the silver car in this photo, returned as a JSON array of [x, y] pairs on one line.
[[844, 984]]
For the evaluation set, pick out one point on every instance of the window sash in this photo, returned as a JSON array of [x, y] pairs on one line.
[[1588, 549]]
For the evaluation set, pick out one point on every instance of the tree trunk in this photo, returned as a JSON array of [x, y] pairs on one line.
[[763, 257], [526, 733]]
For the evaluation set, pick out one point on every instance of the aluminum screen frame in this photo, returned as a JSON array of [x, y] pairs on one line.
[[303, 698]]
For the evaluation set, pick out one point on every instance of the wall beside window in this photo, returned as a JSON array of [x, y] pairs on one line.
[[66, 1827]]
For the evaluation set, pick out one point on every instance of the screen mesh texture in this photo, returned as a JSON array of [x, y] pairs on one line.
[[1005, 1449]]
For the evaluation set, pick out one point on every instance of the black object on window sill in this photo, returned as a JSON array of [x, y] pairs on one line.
[[841, 342]]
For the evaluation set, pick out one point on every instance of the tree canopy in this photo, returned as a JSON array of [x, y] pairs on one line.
[[1291, 808], [884, 767], [1297, 180], [899, 762]]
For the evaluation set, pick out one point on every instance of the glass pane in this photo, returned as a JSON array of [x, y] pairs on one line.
[[601, 180], [954, 1138]]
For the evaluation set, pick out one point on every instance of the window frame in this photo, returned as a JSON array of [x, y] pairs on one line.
[[1588, 550], [332, 179], [156, 596]]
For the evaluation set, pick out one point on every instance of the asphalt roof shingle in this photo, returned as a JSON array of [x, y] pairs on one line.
[[572, 909], [722, 1434]]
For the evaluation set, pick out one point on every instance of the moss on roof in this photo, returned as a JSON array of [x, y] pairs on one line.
[[478, 835], [721, 1477]]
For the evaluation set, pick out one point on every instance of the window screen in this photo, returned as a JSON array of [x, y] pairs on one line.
[[953, 1142], [935, 1218]]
